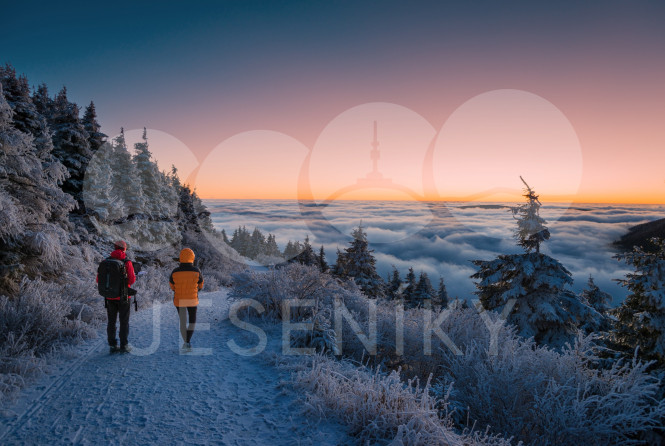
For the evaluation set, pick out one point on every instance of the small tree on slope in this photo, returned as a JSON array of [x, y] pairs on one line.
[[531, 230], [641, 318], [600, 301], [357, 262], [544, 307]]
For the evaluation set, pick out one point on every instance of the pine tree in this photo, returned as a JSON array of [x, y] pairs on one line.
[[423, 292], [100, 202], [256, 245], [225, 237], [321, 260], [43, 102], [95, 137], [70, 145], [357, 262], [531, 230], [306, 256], [126, 182], [28, 119], [640, 319], [545, 308], [394, 284], [149, 177], [272, 250], [410, 289], [292, 249], [600, 320], [442, 294], [34, 209]]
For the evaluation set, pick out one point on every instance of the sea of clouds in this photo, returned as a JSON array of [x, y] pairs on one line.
[[442, 239]]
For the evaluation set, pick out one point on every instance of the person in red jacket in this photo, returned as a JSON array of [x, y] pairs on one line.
[[115, 308]]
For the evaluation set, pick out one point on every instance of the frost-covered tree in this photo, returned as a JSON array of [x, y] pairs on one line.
[[292, 249], [357, 262], [126, 182], [600, 301], [306, 256], [33, 208], [321, 261], [531, 230], [442, 294], [151, 182], [95, 137], [272, 250], [410, 288], [640, 319], [43, 102], [70, 144], [423, 292], [98, 195], [28, 119], [394, 284], [544, 307]]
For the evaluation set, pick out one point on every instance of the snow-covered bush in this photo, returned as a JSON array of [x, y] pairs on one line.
[[542, 396], [34, 323], [153, 285], [380, 408], [492, 378]]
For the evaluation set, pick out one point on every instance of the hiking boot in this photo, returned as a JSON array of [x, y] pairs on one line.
[[125, 348], [187, 346], [114, 349]]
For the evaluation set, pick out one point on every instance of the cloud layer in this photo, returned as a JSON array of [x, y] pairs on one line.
[[443, 239]]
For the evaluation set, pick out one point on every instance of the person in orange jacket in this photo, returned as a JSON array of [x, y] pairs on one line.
[[186, 281]]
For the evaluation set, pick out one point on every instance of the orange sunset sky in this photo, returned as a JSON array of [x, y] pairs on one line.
[[277, 100]]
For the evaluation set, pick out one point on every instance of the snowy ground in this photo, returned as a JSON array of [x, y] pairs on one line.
[[155, 395]]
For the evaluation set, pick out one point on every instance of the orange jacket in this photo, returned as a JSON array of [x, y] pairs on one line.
[[186, 281]]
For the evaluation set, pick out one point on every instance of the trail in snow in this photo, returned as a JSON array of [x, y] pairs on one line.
[[155, 395]]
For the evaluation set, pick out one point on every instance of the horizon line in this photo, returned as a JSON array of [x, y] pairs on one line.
[[309, 200]]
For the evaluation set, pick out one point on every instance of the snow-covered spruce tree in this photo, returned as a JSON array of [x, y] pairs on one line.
[[545, 308], [410, 288], [357, 262], [531, 229], [33, 208], [600, 301], [442, 294], [272, 250], [394, 284], [159, 195], [126, 181], [424, 291], [95, 137], [292, 249], [28, 119], [640, 319], [307, 256], [321, 260], [70, 145], [192, 214], [98, 195]]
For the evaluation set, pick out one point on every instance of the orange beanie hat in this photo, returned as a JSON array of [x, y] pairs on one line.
[[186, 256]]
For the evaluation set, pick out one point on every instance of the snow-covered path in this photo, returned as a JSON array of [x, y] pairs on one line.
[[155, 395]]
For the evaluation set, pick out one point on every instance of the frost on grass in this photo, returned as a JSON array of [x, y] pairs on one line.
[[486, 379], [34, 323], [380, 408]]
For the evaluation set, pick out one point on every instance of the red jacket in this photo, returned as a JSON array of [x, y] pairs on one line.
[[131, 277]]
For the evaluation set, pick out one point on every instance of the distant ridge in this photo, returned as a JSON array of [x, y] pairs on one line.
[[640, 235]]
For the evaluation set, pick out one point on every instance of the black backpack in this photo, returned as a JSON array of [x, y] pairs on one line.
[[112, 279]]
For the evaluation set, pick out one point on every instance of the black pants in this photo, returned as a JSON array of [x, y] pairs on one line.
[[115, 308], [186, 331]]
